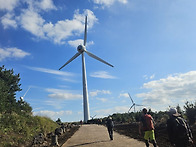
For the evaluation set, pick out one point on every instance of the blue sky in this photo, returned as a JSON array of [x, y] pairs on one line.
[[150, 43]]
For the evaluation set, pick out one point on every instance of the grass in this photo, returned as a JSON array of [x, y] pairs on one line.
[[16, 130]]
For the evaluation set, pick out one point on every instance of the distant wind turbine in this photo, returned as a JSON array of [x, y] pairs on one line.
[[81, 50], [22, 97], [92, 117], [133, 104]]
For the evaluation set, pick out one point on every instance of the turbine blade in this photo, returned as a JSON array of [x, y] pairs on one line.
[[130, 108], [131, 98], [139, 105], [93, 116], [85, 31], [95, 57], [75, 56], [26, 92]]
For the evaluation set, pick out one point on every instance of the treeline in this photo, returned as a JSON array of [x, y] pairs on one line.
[[160, 117], [17, 124]]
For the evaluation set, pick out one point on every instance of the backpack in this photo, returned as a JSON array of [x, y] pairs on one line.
[[181, 128]]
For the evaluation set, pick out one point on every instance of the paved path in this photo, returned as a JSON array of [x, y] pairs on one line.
[[97, 136]]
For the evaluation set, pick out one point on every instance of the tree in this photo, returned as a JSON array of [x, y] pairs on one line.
[[190, 110], [23, 107], [179, 110], [9, 85]]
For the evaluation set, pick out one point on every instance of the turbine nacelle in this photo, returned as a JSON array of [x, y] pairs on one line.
[[21, 98], [81, 48]]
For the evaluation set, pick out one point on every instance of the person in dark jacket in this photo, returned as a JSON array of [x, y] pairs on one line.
[[179, 132], [110, 126]]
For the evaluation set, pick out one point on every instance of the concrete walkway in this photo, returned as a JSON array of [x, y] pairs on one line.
[[97, 136]]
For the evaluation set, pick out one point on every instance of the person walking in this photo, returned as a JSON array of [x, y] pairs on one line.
[[146, 124], [81, 122], [179, 132], [110, 126]]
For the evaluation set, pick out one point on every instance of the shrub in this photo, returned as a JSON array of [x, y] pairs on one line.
[[20, 129], [190, 110]]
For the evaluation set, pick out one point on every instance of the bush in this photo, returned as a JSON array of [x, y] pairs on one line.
[[190, 110], [18, 130]]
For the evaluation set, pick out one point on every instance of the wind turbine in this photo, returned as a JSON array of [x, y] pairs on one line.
[[92, 117], [81, 50], [133, 104], [22, 97]]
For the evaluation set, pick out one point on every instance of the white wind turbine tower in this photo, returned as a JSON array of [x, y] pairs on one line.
[[81, 50]]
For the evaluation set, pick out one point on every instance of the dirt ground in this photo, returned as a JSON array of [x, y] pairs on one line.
[[131, 130], [93, 135], [62, 139]]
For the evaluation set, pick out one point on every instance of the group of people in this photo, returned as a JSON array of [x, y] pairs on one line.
[[179, 132]]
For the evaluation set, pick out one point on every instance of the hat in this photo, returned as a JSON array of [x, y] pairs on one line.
[[144, 110], [110, 117], [173, 112]]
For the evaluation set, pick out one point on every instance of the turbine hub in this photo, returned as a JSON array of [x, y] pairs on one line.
[[81, 48]]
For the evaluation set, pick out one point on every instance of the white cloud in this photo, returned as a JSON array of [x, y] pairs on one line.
[[75, 43], [109, 111], [63, 29], [60, 31], [46, 5], [53, 90], [66, 96], [52, 114], [63, 76], [32, 20], [95, 93], [54, 103], [63, 94], [51, 71], [146, 77], [102, 74], [12, 53], [68, 79], [126, 95], [40, 5], [89, 43], [173, 90], [102, 99], [109, 2], [152, 76], [8, 21], [8, 5]]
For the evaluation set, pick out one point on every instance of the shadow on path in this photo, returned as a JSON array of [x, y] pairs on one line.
[[88, 143]]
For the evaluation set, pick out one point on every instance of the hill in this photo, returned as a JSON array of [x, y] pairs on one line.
[[16, 130]]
